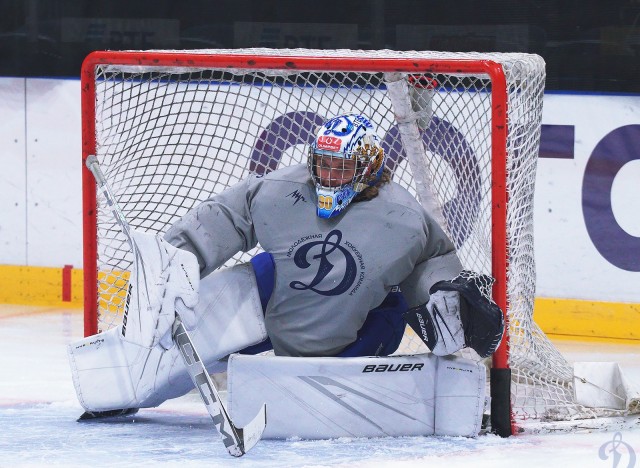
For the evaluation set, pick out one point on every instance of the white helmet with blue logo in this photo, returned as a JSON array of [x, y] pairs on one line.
[[344, 159]]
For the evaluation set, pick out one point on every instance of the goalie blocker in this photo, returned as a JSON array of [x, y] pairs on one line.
[[460, 313]]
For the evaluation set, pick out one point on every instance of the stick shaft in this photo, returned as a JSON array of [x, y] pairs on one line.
[[232, 438]]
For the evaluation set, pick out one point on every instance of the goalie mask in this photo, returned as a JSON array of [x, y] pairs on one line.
[[344, 159]]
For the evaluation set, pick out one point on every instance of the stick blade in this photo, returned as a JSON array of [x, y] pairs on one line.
[[252, 432]]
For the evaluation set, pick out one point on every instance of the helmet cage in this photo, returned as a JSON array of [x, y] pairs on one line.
[[332, 200], [369, 160]]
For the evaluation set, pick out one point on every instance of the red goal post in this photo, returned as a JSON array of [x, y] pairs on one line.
[[492, 89]]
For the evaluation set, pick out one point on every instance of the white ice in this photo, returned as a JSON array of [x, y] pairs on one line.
[[38, 412]]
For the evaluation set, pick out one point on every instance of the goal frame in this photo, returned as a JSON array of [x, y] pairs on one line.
[[502, 421]]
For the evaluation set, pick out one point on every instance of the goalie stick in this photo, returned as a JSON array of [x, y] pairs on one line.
[[236, 440]]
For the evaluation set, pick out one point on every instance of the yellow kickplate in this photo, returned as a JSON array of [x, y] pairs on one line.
[[588, 318], [40, 286]]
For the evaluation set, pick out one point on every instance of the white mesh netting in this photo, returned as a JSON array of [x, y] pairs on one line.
[[170, 135]]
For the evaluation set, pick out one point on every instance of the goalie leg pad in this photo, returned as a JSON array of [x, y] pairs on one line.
[[101, 369], [111, 373], [460, 396], [328, 397]]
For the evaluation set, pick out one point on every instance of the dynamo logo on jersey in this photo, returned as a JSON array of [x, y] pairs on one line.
[[325, 254]]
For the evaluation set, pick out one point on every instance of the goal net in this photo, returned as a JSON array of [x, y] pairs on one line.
[[461, 131]]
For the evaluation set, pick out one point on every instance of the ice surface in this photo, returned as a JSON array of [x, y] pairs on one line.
[[38, 412]]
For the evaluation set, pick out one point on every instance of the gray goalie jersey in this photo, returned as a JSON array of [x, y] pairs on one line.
[[329, 273]]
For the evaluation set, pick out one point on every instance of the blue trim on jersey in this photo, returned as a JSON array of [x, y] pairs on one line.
[[380, 334], [265, 270], [383, 329]]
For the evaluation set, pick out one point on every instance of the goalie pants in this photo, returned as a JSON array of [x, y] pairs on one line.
[[380, 335]]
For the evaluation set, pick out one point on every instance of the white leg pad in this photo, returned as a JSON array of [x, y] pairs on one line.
[[110, 373], [460, 396], [320, 398], [100, 367]]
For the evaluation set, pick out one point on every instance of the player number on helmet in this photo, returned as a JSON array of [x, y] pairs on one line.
[[324, 202]]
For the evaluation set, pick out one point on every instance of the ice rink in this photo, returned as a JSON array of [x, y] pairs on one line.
[[38, 412]]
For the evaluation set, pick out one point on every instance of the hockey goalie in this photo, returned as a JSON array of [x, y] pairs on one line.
[[350, 257]]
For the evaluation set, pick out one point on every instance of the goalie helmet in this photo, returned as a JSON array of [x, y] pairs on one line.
[[344, 159]]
